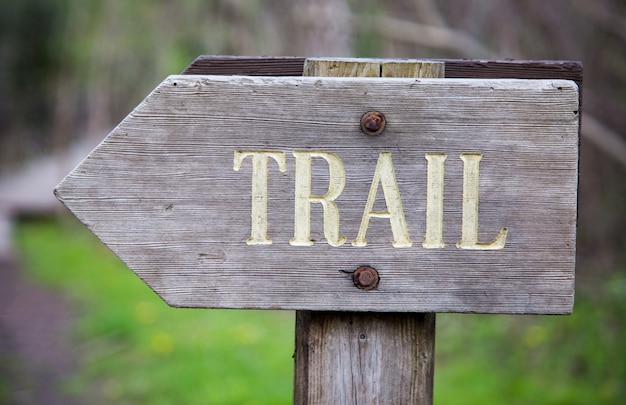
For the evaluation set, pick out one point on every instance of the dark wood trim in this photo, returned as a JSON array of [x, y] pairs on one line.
[[455, 68], [246, 65]]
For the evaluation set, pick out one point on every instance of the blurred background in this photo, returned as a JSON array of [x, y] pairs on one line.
[[77, 327]]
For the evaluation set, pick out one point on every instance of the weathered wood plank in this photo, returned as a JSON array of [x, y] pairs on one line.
[[162, 193], [247, 66], [377, 358], [454, 68], [347, 67], [515, 69], [364, 67]]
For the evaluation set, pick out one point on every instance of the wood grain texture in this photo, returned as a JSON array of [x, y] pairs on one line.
[[351, 358], [347, 67], [515, 69], [366, 358], [248, 66], [161, 192], [364, 67], [454, 68]]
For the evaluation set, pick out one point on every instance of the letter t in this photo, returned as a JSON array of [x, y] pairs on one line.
[[258, 235]]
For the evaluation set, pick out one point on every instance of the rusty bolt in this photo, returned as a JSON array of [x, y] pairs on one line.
[[373, 123], [365, 278]]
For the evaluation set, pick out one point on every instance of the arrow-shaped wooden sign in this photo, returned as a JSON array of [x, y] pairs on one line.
[[447, 195]]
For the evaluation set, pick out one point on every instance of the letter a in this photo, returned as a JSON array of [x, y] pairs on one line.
[[260, 160], [469, 227], [385, 175]]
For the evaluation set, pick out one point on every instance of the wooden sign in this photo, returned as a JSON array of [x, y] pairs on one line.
[[261, 192]]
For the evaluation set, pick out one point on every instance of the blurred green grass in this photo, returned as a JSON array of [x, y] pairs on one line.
[[134, 349]]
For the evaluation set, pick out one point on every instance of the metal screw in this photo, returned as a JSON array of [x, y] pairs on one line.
[[365, 278], [373, 123]]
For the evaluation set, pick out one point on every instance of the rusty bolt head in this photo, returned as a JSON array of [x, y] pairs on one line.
[[373, 123], [365, 278]]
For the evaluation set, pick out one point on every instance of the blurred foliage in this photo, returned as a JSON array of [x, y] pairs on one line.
[[134, 349], [488, 359]]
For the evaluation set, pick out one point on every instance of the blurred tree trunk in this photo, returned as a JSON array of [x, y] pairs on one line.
[[320, 28]]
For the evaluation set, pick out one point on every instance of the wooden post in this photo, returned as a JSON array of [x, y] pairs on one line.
[[365, 358]]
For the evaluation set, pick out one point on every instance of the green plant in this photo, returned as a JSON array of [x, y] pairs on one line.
[[133, 348]]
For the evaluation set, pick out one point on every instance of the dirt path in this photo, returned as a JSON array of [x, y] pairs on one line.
[[35, 323], [35, 353]]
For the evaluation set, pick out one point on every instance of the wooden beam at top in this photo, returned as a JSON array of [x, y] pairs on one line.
[[455, 68], [246, 65]]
